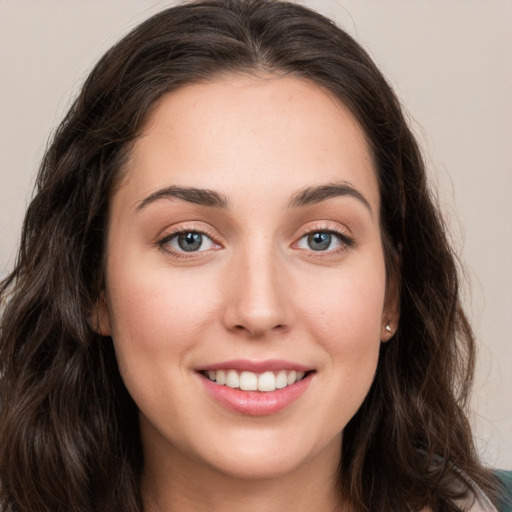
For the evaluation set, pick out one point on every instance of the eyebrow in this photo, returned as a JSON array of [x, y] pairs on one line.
[[201, 196], [304, 197], [313, 195]]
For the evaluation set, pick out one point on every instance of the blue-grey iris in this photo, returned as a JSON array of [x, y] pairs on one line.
[[190, 241], [319, 241]]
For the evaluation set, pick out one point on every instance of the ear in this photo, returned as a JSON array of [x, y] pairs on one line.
[[100, 317], [391, 310]]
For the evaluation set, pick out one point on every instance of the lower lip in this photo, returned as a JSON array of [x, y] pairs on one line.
[[256, 403]]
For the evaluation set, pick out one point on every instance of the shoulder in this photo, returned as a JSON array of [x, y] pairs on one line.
[[505, 499], [476, 500]]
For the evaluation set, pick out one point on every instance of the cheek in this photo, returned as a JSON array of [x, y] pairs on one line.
[[153, 325], [345, 318], [346, 305], [158, 318], [153, 308]]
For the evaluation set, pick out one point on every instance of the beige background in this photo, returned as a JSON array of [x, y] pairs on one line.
[[450, 62]]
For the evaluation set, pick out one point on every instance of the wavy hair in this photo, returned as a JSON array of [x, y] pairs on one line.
[[69, 438]]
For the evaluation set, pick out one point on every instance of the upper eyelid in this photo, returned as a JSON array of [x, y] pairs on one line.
[[342, 232], [169, 236], [163, 244], [204, 229], [188, 228], [324, 226], [343, 237]]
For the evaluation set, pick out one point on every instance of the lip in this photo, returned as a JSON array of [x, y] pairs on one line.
[[255, 403], [246, 365]]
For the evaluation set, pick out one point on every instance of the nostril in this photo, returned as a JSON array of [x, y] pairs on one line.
[[258, 331]]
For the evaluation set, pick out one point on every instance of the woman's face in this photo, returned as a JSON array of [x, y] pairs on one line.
[[244, 250]]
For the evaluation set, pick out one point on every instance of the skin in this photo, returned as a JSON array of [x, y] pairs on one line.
[[257, 291]]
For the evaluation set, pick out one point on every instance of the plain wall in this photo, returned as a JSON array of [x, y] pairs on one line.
[[450, 63]]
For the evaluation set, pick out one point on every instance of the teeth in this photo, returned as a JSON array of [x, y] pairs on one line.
[[249, 381], [232, 379], [292, 377], [219, 377], [281, 380], [267, 382]]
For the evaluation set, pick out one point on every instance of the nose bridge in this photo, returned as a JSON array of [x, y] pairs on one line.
[[257, 302]]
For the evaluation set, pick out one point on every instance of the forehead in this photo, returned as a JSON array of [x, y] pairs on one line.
[[250, 134]]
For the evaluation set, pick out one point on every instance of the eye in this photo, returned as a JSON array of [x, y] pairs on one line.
[[187, 241], [322, 241]]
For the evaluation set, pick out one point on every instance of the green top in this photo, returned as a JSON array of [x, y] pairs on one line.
[[505, 503]]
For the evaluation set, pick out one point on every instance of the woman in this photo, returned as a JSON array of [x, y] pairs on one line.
[[234, 290]]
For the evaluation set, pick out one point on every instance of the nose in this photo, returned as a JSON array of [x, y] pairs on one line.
[[257, 296]]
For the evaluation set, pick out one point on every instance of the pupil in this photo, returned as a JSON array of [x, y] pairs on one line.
[[190, 241], [319, 241]]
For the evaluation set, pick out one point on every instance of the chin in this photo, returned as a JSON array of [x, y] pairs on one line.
[[270, 456], [260, 466]]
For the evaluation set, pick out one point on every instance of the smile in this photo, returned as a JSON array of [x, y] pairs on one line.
[[256, 388], [250, 381]]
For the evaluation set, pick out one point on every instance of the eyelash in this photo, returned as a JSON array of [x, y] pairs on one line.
[[345, 241], [161, 243]]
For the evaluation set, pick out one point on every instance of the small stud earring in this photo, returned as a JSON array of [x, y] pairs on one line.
[[388, 328]]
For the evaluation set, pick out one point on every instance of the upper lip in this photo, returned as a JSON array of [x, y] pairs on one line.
[[256, 366]]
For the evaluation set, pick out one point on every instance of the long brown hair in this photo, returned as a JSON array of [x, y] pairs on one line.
[[69, 438]]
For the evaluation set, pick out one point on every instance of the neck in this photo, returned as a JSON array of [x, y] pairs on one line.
[[179, 483]]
